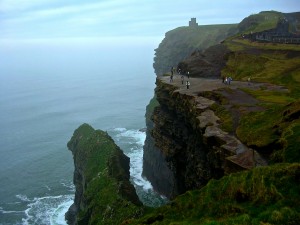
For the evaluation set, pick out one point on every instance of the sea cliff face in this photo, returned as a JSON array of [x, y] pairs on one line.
[[185, 145], [101, 169]]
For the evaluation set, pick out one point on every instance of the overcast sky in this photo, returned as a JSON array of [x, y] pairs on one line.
[[35, 19]]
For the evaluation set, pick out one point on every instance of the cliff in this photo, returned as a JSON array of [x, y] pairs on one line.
[[182, 41], [224, 153], [104, 194], [188, 145], [214, 129]]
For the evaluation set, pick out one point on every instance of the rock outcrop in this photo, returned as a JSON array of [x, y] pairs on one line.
[[101, 177], [187, 146], [208, 63]]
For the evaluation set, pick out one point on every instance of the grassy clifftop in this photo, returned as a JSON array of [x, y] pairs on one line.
[[275, 129], [266, 20]]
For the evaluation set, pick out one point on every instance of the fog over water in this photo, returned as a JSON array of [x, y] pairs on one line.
[[49, 88]]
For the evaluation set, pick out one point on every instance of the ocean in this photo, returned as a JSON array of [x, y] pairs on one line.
[[48, 88]]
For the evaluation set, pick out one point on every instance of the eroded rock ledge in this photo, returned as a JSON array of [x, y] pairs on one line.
[[187, 146], [101, 177]]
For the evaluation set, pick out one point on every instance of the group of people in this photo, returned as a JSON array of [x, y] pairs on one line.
[[226, 80], [187, 83]]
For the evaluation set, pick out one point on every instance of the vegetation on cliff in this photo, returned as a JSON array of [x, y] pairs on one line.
[[270, 125], [264, 195], [266, 20], [104, 194], [275, 129], [259, 22]]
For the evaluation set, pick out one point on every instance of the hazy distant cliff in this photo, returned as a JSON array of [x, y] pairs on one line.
[[182, 41]]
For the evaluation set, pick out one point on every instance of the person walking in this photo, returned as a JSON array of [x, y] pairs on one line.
[[187, 84], [182, 79]]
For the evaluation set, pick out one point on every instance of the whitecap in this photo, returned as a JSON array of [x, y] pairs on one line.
[[47, 187], [47, 210], [120, 129], [23, 198], [69, 185], [9, 212]]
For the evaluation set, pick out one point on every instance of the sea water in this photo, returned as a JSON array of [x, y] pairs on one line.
[[47, 89]]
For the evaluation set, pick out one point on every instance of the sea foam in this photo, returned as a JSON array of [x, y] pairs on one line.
[[131, 141]]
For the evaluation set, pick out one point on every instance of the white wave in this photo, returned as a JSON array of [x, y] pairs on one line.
[[120, 129], [23, 198], [138, 136], [69, 185], [136, 139], [58, 217], [47, 210], [9, 212]]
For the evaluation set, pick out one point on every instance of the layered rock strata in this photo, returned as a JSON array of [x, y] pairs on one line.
[[187, 146], [104, 193]]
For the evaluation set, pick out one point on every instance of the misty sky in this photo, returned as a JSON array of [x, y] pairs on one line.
[[37, 19]]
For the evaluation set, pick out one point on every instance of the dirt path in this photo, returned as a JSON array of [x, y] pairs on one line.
[[239, 102]]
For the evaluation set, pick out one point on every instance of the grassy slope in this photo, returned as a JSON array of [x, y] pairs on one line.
[[265, 195], [271, 63], [259, 22]]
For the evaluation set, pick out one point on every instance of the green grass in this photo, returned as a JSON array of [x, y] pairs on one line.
[[234, 42], [291, 138], [226, 119], [267, 96], [263, 195], [149, 109], [259, 22], [277, 64], [257, 128]]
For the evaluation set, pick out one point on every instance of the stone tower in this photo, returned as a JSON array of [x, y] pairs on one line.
[[193, 23]]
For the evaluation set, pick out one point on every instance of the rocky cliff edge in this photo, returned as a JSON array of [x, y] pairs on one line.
[[188, 139]]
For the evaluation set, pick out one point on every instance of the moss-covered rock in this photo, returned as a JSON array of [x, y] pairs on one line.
[[104, 194]]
